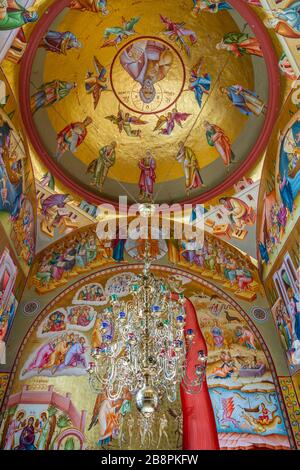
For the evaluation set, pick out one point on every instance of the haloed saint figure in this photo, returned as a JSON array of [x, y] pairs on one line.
[[147, 62]]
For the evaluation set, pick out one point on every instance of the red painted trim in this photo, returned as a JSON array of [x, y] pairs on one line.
[[273, 103], [158, 111]]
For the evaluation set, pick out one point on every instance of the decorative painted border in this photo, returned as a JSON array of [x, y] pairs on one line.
[[4, 379], [271, 62], [260, 320], [166, 269], [292, 406]]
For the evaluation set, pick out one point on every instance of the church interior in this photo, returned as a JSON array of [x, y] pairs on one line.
[[117, 337]]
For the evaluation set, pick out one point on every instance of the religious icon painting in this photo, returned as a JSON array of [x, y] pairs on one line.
[[81, 318], [62, 355], [90, 294], [119, 285]]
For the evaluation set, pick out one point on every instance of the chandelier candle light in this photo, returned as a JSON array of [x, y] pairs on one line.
[[144, 348]]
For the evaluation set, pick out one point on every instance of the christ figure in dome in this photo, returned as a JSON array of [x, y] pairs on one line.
[[147, 62]]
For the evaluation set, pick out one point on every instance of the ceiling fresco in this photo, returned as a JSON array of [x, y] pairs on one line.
[[192, 88]]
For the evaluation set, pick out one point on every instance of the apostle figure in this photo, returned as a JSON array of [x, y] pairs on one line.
[[246, 101], [51, 93], [286, 21], [147, 166], [147, 62], [60, 42], [240, 44], [100, 167], [216, 138], [13, 15], [90, 5], [239, 213], [71, 137], [186, 156]]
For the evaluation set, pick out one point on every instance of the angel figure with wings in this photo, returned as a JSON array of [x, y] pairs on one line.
[[124, 121], [120, 32], [199, 83], [107, 415], [178, 33], [169, 121], [96, 83]]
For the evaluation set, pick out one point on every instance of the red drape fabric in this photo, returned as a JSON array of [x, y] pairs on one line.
[[199, 426]]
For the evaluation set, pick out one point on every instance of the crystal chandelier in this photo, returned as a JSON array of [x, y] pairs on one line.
[[144, 349]]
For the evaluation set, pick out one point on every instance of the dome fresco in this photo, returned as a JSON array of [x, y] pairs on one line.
[[189, 87], [136, 326]]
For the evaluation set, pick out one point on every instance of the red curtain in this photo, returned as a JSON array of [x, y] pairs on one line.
[[199, 426]]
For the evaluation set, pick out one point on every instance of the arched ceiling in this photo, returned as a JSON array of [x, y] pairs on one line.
[[107, 45]]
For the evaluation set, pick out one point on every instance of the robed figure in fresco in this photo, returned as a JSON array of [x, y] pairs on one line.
[[147, 62], [186, 156], [240, 44], [100, 167], [60, 42], [51, 93], [239, 213], [286, 21], [71, 137], [217, 138], [147, 166], [13, 15], [11, 427], [246, 101], [95, 6], [200, 82], [211, 6], [27, 437], [108, 414], [11, 174]]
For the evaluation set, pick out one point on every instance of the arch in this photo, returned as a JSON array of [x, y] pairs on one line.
[[167, 270]]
